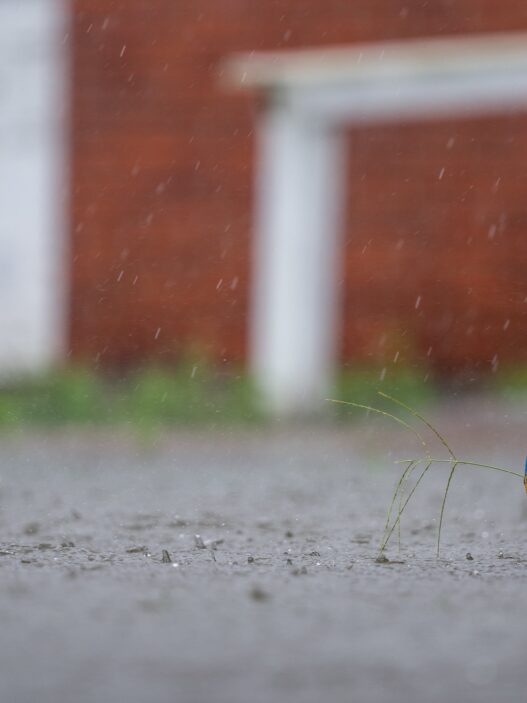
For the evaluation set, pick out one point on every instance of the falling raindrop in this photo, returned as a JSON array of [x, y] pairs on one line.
[[494, 363]]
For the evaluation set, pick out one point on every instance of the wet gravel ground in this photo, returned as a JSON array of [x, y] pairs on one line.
[[240, 566]]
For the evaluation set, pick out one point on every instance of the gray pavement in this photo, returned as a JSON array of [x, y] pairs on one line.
[[272, 592]]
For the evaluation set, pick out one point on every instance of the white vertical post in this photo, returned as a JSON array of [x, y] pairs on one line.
[[33, 142], [295, 269]]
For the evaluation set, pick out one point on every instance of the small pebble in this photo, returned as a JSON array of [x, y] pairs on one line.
[[198, 541], [300, 572], [31, 528], [382, 559], [259, 594], [166, 558]]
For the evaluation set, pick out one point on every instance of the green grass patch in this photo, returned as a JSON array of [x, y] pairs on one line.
[[192, 393], [510, 382], [413, 385]]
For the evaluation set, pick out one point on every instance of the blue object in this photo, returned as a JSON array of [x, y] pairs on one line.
[[525, 475]]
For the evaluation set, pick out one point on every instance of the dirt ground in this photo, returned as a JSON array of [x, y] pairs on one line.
[[237, 566]]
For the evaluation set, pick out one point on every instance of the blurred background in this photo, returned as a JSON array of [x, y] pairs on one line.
[[128, 212], [170, 259]]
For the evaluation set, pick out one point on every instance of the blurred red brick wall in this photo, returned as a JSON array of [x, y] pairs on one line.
[[434, 264]]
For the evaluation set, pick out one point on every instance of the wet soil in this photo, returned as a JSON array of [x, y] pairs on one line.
[[242, 566]]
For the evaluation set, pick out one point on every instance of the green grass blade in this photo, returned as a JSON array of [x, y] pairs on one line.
[[384, 544], [402, 478], [450, 477], [423, 419], [386, 414], [462, 462]]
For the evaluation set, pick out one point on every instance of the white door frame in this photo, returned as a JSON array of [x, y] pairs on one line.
[[309, 96], [34, 139]]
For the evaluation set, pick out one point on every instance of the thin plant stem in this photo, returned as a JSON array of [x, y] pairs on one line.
[[408, 427], [443, 441], [398, 494], [461, 462], [399, 524], [385, 541], [386, 414], [423, 419], [450, 477], [401, 496], [411, 464]]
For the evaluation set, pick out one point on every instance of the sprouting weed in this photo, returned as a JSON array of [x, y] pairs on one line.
[[399, 500]]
